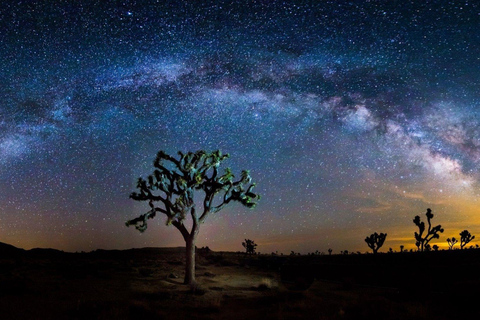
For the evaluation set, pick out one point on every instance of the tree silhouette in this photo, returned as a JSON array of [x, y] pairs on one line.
[[451, 242], [465, 237], [171, 188], [330, 251], [250, 246], [432, 232], [375, 241], [401, 248], [435, 247]]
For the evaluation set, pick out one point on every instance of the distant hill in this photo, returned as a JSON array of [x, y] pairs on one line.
[[45, 252], [8, 249]]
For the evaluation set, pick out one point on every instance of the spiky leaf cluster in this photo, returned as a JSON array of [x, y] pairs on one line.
[[170, 189]]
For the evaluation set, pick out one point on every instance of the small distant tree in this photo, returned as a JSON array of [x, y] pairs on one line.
[[375, 241], [330, 251], [401, 248], [432, 232], [451, 242], [435, 247], [172, 187], [250, 246], [465, 237]]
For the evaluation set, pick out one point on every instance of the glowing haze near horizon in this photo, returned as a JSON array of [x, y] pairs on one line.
[[353, 117]]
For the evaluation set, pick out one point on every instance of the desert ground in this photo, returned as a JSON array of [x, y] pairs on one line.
[[148, 284]]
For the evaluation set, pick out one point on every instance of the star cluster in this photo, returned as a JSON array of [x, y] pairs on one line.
[[353, 117]]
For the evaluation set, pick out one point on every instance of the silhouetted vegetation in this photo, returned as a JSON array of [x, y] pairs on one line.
[[250, 246], [451, 242], [375, 241], [432, 232], [465, 238], [170, 190]]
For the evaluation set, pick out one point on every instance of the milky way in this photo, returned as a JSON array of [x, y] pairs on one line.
[[353, 117]]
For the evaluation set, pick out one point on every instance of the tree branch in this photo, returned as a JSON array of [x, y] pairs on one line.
[[181, 227]]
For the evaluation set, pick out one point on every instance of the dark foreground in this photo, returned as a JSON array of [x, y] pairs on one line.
[[147, 284]]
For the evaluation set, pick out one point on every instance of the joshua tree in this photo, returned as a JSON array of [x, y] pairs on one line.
[[465, 237], [171, 188], [401, 248], [432, 233], [451, 242], [435, 247], [330, 251], [375, 241], [249, 246]]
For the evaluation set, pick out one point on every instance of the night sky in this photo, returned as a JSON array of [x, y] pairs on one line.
[[352, 116]]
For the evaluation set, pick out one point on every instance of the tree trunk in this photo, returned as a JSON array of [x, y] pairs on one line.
[[190, 260]]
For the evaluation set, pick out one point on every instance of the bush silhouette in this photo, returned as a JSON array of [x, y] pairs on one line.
[[375, 241], [451, 242], [465, 237], [250, 246]]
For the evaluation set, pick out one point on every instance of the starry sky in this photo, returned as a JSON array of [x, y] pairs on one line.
[[352, 116]]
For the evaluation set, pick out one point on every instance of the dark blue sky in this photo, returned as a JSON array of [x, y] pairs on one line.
[[353, 117]]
